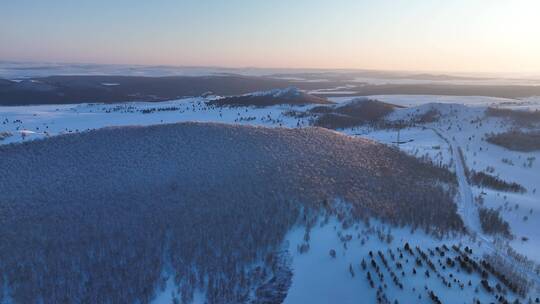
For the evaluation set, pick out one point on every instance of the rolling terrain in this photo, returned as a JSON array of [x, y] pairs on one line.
[[71, 89], [317, 199]]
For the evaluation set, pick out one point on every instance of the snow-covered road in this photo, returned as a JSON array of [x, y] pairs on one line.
[[466, 207]]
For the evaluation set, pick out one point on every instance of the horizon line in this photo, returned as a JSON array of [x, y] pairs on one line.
[[322, 69]]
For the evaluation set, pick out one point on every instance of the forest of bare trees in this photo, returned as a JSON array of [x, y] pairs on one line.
[[109, 210]]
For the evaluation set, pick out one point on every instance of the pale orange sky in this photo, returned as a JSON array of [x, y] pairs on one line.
[[430, 35]]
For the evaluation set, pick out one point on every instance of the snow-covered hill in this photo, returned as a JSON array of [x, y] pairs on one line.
[[288, 96]]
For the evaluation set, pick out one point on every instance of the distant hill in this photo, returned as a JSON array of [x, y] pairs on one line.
[[503, 91], [96, 217], [112, 89], [354, 113], [291, 96], [109, 89]]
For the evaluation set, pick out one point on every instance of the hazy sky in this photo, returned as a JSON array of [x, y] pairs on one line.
[[436, 35]]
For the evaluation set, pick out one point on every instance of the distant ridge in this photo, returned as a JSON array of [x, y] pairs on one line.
[[291, 96]]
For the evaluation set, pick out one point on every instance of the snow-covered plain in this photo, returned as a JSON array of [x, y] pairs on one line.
[[32, 122], [318, 278]]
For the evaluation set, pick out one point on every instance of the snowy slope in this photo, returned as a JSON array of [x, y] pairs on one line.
[[319, 278]]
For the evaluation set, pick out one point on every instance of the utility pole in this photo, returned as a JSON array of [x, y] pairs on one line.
[[398, 131], [399, 124]]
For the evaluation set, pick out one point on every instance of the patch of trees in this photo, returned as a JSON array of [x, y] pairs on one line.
[[492, 222], [496, 277], [275, 289], [355, 113], [430, 116], [517, 116], [158, 109], [407, 248], [516, 140], [337, 121], [97, 216], [434, 297], [486, 180], [507, 274], [395, 278], [464, 162], [523, 260], [291, 96]]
